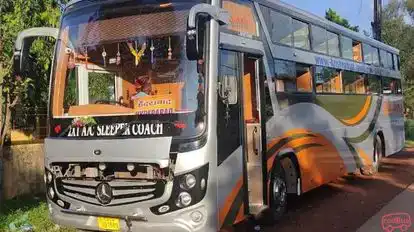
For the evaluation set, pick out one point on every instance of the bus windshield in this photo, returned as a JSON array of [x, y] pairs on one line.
[[127, 60]]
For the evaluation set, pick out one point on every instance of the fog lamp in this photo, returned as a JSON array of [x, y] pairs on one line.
[[130, 167], [184, 199], [102, 166], [61, 203]]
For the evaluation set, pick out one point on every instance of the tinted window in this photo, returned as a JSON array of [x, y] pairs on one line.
[[373, 84], [353, 82], [327, 80], [281, 28], [228, 128], [367, 50], [301, 34], [391, 85], [357, 51], [390, 61], [291, 77], [398, 62], [375, 56], [346, 46], [319, 39], [383, 58], [333, 44]]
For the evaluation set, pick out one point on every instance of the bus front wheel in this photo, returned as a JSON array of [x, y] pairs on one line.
[[278, 193]]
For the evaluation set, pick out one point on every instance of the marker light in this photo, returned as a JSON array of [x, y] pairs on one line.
[[130, 167], [51, 193], [203, 184], [184, 199], [196, 216], [189, 182], [49, 177], [102, 166]]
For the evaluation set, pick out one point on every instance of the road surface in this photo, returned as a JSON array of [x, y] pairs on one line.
[[350, 202]]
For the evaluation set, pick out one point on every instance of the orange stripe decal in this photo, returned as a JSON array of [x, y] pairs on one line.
[[229, 201], [240, 214], [365, 158], [361, 115]]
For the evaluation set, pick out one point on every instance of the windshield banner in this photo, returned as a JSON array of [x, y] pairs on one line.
[[90, 127]]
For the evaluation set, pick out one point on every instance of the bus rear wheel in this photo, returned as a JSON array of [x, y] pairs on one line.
[[378, 153]]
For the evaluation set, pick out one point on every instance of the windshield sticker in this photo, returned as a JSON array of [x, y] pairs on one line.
[[119, 129]]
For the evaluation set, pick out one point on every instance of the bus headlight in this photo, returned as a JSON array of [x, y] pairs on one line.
[[188, 182], [188, 189], [184, 199]]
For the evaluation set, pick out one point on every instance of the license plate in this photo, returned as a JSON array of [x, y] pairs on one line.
[[108, 224]]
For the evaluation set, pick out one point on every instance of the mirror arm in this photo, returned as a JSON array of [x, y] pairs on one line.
[[29, 35], [218, 14], [35, 32]]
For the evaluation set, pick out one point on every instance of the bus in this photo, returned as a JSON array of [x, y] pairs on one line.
[[194, 115]]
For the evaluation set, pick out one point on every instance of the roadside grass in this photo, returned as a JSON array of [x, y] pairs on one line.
[[409, 143], [36, 210]]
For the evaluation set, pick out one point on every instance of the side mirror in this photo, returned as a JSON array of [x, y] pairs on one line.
[[228, 89], [24, 42], [199, 15]]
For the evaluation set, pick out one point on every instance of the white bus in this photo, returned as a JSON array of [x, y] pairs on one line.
[[192, 115]]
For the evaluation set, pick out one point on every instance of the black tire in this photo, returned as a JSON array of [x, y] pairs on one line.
[[278, 198], [378, 153]]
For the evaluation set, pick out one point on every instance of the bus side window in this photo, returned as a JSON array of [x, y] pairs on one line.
[[228, 115]]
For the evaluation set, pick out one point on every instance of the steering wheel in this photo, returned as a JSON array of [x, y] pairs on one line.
[[109, 102]]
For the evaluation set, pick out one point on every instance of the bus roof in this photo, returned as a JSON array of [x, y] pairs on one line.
[[316, 20], [320, 21]]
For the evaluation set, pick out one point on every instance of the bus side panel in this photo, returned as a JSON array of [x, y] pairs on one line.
[[391, 123], [327, 139]]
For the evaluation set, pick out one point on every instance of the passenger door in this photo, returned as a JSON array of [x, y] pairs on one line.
[[239, 138]]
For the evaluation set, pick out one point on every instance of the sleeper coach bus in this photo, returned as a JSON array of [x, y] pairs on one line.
[[193, 115]]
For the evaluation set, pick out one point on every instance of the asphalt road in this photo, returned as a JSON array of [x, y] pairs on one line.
[[346, 204]]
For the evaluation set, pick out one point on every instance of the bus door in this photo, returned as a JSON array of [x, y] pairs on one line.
[[239, 137], [252, 124]]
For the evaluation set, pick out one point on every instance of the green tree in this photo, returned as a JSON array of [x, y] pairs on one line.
[[398, 32], [333, 16], [15, 16]]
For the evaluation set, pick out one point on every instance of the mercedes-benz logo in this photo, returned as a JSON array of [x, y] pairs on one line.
[[104, 193]]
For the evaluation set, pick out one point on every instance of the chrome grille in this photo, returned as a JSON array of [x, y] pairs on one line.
[[124, 191]]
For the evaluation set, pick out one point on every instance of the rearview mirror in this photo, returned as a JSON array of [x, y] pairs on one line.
[[196, 25], [228, 89], [24, 42]]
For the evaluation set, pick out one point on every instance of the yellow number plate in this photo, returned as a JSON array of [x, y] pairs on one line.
[[111, 224]]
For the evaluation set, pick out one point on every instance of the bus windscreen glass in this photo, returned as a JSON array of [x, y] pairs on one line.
[[128, 60]]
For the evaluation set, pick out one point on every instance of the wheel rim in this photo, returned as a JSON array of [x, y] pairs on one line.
[[279, 192]]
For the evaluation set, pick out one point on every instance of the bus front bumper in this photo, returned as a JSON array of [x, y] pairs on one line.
[[180, 221]]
